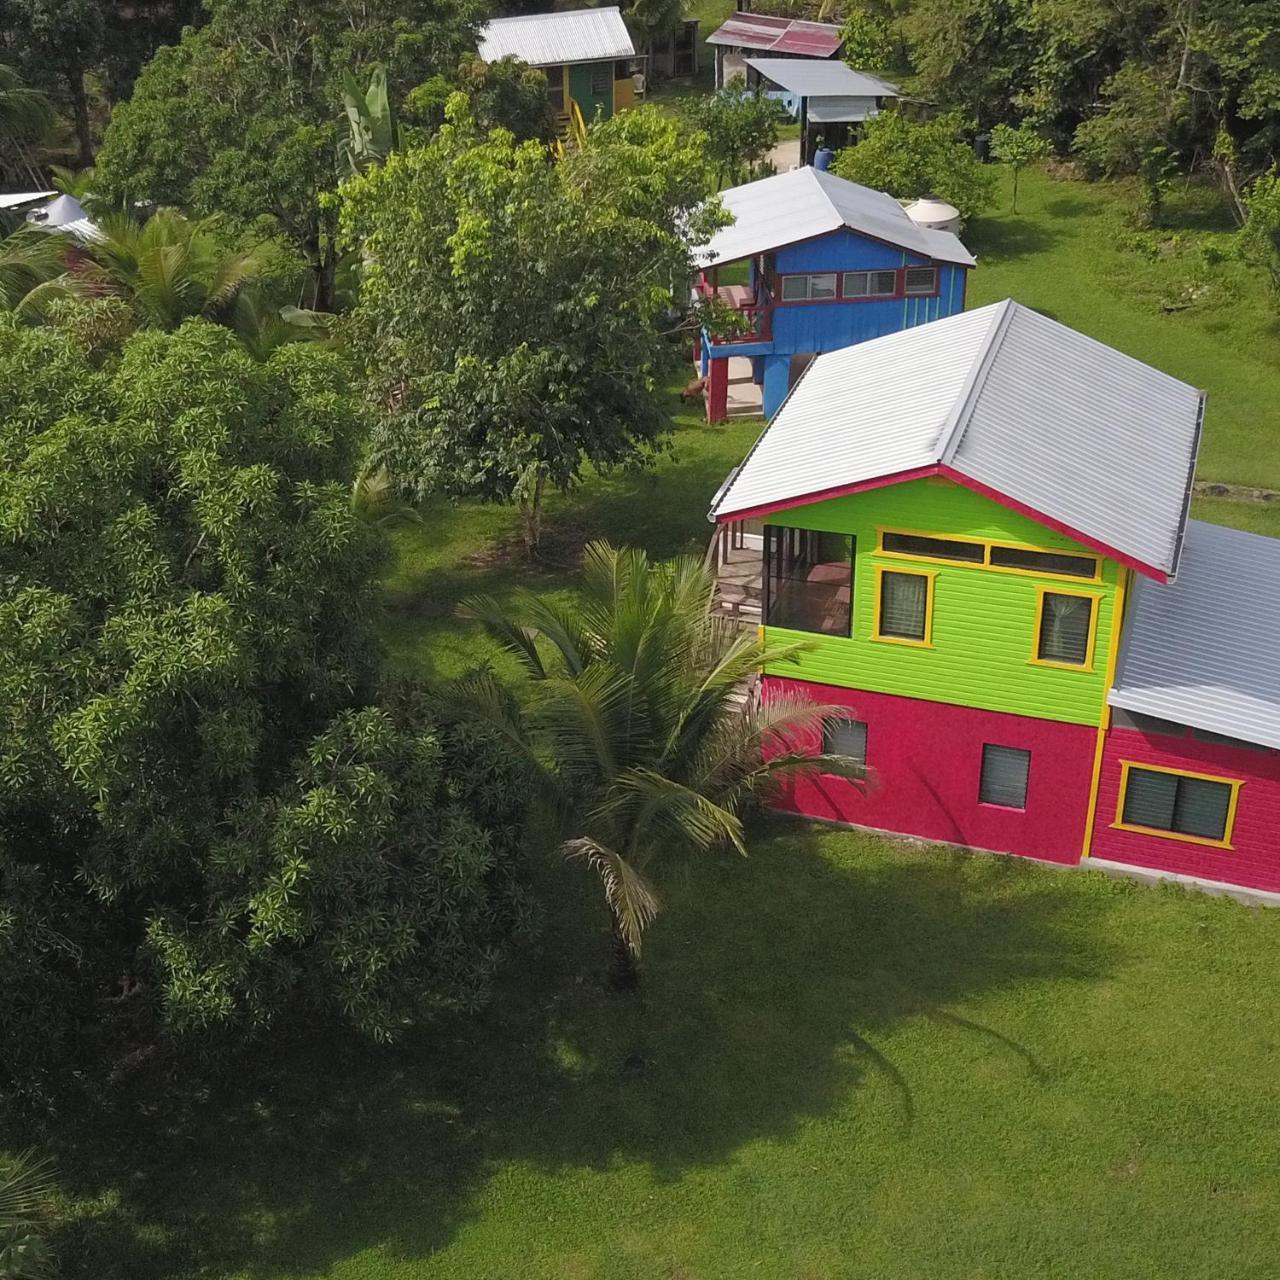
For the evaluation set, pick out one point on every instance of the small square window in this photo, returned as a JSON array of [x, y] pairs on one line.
[[1004, 776], [920, 280], [904, 607], [1065, 634], [842, 736], [855, 284], [795, 288]]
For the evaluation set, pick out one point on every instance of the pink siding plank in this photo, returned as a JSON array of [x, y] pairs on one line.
[[927, 759], [1254, 859]]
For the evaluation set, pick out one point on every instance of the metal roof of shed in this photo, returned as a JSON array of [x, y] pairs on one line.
[[840, 110], [808, 202], [1202, 650], [558, 39], [15, 199], [778, 35], [1005, 401], [813, 79]]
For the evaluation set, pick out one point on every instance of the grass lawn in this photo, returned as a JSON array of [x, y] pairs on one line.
[[852, 1058]]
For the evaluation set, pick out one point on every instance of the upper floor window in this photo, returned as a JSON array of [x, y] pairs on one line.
[[809, 288], [870, 284], [1065, 629], [916, 280], [993, 555], [808, 580], [1183, 806], [904, 606]]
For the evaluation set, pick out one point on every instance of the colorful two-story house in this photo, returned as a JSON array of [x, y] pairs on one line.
[[978, 529], [825, 263]]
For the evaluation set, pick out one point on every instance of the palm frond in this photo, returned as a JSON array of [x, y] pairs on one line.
[[632, 899], [26, 1185], [516, 638], [660, 810]]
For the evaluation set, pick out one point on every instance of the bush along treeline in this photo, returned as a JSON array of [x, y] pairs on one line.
[[213, 811]]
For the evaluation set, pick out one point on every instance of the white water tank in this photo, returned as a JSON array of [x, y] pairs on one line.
[[935, 214]]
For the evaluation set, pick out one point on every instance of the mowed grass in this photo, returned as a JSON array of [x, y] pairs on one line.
[[852, 1058]]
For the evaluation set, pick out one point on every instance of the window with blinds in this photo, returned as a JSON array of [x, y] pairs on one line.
[[904, 606], [1066, 629], [843, 736], [1005, 771], [917, 280], [1177, 804]]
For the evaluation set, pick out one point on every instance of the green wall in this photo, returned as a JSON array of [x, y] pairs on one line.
[[580, 90], [984, 621]]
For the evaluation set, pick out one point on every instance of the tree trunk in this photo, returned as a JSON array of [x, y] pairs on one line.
[[80, 112], [624, 972], [324, 274], [531, 518]]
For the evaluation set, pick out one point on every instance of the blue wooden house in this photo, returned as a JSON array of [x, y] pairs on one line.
[[828, 263]]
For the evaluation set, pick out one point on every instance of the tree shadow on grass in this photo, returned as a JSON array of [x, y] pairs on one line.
[[1006, 238], [772, 989]]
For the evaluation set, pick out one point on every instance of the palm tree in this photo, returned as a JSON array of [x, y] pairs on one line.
[[170, 268], [26, 1188], [32, 273], [26, 115], [635, 723]]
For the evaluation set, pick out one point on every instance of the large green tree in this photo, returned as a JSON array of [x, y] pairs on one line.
[[207, 818], [634, 719], [244, 116], [514, 314]]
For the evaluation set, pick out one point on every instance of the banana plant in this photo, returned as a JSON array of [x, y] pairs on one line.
[[373, 130]]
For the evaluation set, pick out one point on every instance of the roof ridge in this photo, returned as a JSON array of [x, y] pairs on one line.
[[952, 433]]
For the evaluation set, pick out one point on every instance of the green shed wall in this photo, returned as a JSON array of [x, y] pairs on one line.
[[984, 620], [580, 90]]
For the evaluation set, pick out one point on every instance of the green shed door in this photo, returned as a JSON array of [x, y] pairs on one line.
[[591, 87]]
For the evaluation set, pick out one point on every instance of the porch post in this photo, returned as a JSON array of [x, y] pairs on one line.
[[718, 390]]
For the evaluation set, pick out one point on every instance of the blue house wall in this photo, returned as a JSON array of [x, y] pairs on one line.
[[799, 328]]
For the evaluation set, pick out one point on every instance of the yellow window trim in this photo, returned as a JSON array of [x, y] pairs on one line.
[[929, 575], [1121, 825], [1035, 660], [987, 544]]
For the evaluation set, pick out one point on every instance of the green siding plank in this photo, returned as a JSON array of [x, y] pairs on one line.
[[984, 621]]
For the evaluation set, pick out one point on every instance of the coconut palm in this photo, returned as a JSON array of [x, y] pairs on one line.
[[634, 721], [170, 268], [32, 273], [26, 1189], [26, 115]]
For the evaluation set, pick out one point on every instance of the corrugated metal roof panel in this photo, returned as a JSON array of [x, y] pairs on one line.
[[1203, 650], [13, 199], [795, 206], [782, 35], [1085, 435], [837, 110], [554, 39], [814, 79], [863, 412], [1080, 433]]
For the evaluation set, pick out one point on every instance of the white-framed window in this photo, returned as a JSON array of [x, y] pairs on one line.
[[1005, 771], [870, 284], [844, 736], [816, 287], [917, 280]]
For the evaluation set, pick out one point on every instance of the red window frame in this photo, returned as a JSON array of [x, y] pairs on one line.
[[899, 293]]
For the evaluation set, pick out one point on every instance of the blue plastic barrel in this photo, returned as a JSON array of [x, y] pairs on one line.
[[822, 158]]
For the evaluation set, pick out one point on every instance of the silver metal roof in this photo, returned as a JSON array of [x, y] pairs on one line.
[[838, 110], [555, 39], [807, 202], [820, 78], [1203, 650], [14, 199], [1081, 434], [65, 215]]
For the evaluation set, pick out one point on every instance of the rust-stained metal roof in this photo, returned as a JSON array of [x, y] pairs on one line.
[[778, 35]]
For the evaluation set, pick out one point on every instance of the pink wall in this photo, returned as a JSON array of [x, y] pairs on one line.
[[927, 759], [1253, 860]]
